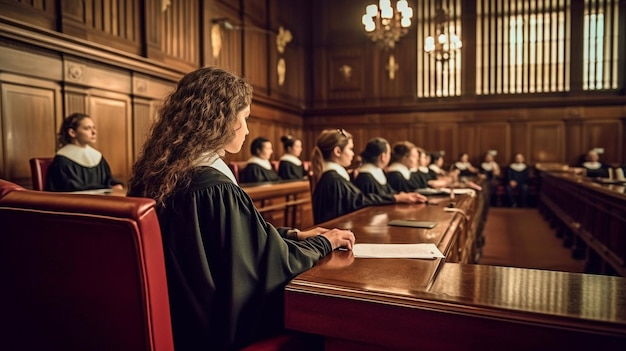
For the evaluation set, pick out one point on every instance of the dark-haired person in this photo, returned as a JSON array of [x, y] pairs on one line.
[[334, 195], [290, 165], [466, 169], [403, 163], [371, 176], [428, 175], [77, 165], [226, 266], [259, 167]]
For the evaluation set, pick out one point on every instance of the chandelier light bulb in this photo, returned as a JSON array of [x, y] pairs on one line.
[[445, 42], [386, 24], [371, 10]]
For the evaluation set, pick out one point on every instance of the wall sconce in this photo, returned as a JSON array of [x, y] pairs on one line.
[[385, 25], [445, 42]]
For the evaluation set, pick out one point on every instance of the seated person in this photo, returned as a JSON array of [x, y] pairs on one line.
[[404, 158], [464, 166], [593, 166], [426, 173], [259, 167], [290, 165], [226, 266], [490, 169], [77, 165], [517, 178], [436, 165], [371, 175], [334, 195]]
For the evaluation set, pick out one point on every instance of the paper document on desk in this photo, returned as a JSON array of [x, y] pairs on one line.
[[429, 251]]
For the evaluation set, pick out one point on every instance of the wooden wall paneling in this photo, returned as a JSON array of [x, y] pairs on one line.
[[28, 112], [223, 47], [181, 44], [153, 19], [546, 142], [143, 111], [519, 141], [75, 100], [255, 60], [111, 113], [573, 140], [256, 11], [606, 134], [38, 13], [89, 74], [346, 78], [31, 62], [494, 136], [442, 137], [468, 142]]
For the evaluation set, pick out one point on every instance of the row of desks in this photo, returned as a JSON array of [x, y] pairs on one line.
[[448, 304]]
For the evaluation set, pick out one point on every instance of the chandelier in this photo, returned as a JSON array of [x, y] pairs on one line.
[[445, 41], [385, 25]]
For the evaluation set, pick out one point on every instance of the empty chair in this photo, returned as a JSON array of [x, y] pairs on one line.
[[39, 170], [81, 272]]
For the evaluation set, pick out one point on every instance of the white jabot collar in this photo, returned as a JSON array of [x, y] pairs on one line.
[[423, 169], [84, 156], [518, 167], [462, 165], [261, 162], [435, 168], [375, 171], [399, 167], [487, 166], [213, 159], [332, 166], [592, 165], [292, 159]]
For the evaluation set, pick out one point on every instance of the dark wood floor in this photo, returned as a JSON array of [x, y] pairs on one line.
[[520, 237]]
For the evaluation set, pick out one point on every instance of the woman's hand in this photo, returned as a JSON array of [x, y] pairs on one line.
[[302, 235], [118, 187], [340, 238]]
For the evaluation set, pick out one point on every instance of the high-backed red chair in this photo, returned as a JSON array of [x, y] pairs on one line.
[[87, 272], [81, 272], [39, 170]]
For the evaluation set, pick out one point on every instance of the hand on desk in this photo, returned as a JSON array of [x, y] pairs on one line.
[[340, 238]]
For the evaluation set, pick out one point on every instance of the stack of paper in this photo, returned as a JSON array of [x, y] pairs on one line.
[[429, 251]]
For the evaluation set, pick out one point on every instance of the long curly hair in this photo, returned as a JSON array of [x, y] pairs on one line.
[[199, 116]]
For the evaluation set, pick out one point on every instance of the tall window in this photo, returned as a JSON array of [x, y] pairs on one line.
[[600, 46], [522, 46], [438, 76]]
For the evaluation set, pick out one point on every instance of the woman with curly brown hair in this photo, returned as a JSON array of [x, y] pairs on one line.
[[226, 265]]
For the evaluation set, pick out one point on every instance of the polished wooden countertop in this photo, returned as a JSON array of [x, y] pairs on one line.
[[378, 304]]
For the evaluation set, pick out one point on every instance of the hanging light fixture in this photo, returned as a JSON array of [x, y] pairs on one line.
[[445, 41], [385, 24]]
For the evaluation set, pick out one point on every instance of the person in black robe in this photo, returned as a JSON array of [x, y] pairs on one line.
[[226, 266], [404, 158], [259, 167], [77, 166], [517, 179], [333, 194], [371, 178], [490, 169], [290, 165], [593, 167], [465, 168]]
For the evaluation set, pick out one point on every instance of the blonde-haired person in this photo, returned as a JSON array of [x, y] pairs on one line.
[[226, 266], [77, 165], [290, 165], [334, 195]]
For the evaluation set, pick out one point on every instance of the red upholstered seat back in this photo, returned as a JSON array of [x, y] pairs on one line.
[[39, 170], [81, 272]]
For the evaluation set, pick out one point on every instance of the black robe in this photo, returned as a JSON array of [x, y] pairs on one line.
[[334, 196], [67, 175], [521, 177], [226, 266], [369, 185], [399, 183], [602, 172], [254, 173], [289, 170]]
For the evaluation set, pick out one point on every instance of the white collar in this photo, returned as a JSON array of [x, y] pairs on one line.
[[375, 171], [84, 156], [435, 168], [213, 159], [261, 162], [423, 169], [292, 159], [487, 166], [462, 165], [592, 165], [518, 167], [332, 166], [402, 169]]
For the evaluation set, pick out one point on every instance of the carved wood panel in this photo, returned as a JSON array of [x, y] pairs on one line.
[[28, 127], [494, 136], [605, 134], [39, 13], [545, 142]]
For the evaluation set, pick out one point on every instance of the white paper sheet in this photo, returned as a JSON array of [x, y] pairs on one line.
[[429, 251]]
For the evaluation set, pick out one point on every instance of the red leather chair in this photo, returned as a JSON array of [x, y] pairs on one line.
[[87, 272], [275, 165], [81, 272], [39, 170]]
